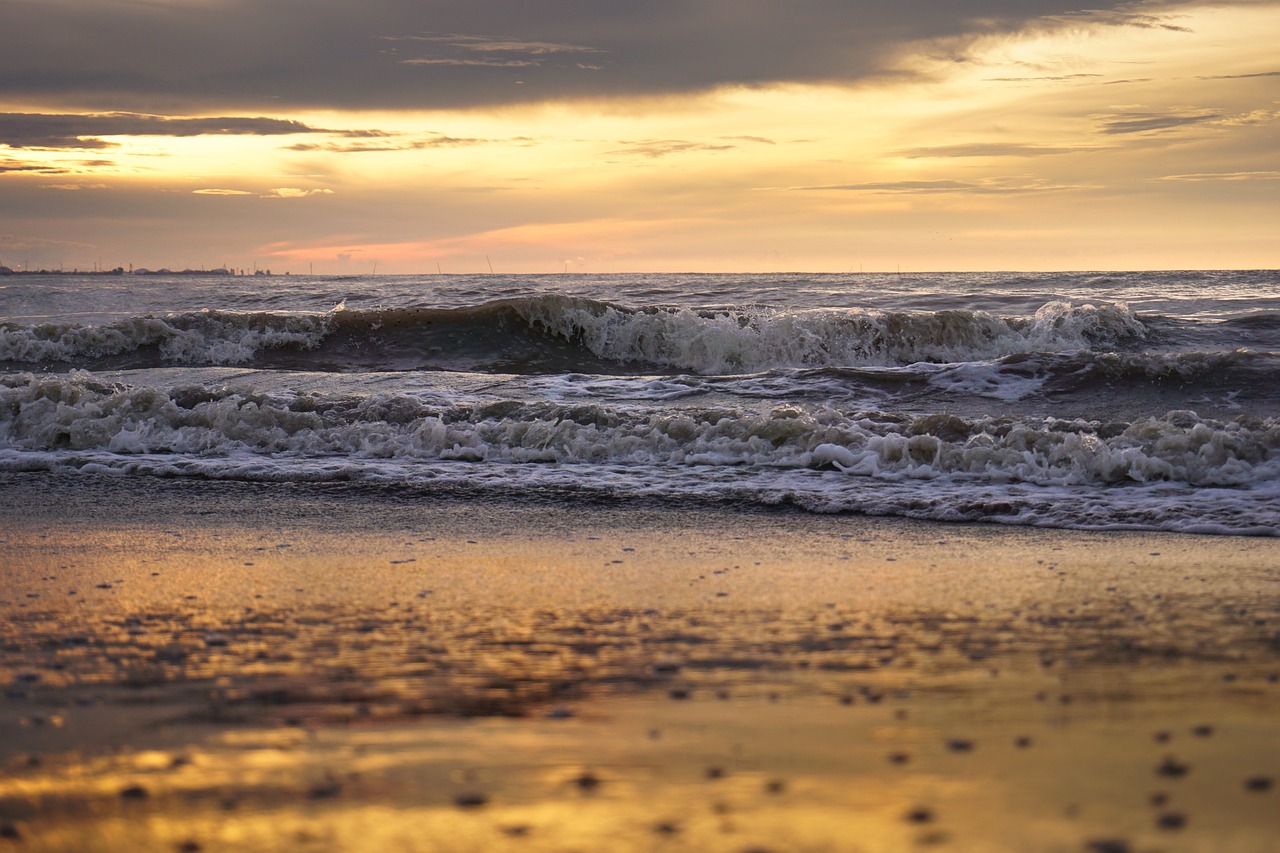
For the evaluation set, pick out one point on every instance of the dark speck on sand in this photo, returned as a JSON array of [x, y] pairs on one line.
[[471, 800]]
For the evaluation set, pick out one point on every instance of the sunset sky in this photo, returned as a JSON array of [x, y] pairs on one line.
[[616, 135]]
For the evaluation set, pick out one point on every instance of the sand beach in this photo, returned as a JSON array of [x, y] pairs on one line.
[[234, 666], [508, 427]]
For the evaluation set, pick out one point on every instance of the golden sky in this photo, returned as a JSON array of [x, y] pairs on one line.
[[703, 135]]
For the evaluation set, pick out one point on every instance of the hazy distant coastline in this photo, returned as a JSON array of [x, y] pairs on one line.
[[140, 271]]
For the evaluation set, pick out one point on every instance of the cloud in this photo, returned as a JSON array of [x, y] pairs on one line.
[[984, 149], [760, 139], [1060, 78], [83, 131], [439, 141], [291, 54], [477, 63], [461, 51], [277, 192], [20, 166], [294, 192], [1149, 122], [994, 186], [1122, 16], [655, 148], [73, 187], [485, 44], [1223, 176], [1240, 76]]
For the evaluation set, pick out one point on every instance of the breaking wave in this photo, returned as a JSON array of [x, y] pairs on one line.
[[81, 413], [560, 334]]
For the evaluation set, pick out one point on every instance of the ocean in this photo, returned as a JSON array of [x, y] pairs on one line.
[[1100, 401]]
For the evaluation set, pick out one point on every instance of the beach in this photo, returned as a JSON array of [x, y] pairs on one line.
[[489, 427], [196, 665]]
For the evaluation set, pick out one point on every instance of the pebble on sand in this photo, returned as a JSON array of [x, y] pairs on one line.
[[325, 790], [1171, 820], [1258, 783], [1107, 845], [587, 781], [471, 800], [1173, 768]]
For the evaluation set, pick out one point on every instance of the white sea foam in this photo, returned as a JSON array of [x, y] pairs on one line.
[[985, 379], [208, 337], [79, 413], [870, 393], [1251, 510], [739, 341]]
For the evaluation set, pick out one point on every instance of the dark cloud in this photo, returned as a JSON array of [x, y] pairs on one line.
[[1147, 122], [219, 55], [22, 167], [43, 130], [1241, 76], [1122, 16]]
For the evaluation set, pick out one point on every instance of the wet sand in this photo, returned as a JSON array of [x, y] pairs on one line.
[[219, 666]]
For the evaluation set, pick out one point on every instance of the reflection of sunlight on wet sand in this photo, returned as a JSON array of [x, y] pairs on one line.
[[460, 676], [978, 767]]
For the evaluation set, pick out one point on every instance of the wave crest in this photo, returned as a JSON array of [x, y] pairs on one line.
[[558, 334], [204, 337], [731, 341]]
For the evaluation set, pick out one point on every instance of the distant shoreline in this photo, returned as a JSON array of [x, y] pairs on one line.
[[222, 271]]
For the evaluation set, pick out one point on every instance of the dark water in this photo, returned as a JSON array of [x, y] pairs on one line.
[[1142, 400]]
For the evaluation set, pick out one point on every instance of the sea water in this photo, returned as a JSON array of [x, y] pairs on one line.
[[1137, 400]]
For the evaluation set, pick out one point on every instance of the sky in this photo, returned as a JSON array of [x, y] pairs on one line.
[[601, 136]]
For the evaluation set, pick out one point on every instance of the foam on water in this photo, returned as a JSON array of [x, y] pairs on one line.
[[738, 341], [285, 435], [206, 337], [1145, 400], [552, 333]]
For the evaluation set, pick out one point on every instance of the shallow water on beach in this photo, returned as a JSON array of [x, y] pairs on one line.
[[1141, 401]]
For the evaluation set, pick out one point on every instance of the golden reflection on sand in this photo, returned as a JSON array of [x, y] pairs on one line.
[[634, 682]]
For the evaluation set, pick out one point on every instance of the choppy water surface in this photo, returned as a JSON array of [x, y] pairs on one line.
[[1119, 400]]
